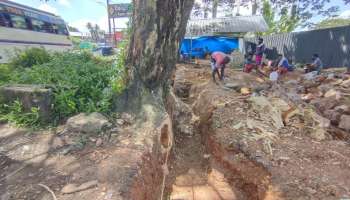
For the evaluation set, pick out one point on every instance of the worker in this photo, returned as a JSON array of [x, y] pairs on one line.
[[248, 63], [259, 52], [218, 62], [283, 65], [316, 65]]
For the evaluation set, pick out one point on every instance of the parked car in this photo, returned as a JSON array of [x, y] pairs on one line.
[[104, 51]]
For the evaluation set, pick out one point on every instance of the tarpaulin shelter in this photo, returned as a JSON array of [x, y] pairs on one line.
[[207, 44], [206, 35]]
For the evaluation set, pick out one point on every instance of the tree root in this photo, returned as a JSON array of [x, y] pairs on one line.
[[49, 190]]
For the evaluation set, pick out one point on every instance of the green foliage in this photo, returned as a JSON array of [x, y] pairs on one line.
[[80, 81], [119, 78], [15, 114], [76, 42], [285, 23], [30, 57], [331, 23], [5, 73]]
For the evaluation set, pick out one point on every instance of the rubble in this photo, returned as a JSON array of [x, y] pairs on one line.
[[345, 122], [93, 123]]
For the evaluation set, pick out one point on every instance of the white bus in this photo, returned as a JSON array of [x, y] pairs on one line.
[[24, 27]]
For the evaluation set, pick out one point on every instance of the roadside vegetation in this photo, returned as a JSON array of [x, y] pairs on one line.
[[80, 82]]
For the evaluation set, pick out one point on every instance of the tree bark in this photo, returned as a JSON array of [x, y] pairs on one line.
[[158, 27], [254, 7], [215, 8]]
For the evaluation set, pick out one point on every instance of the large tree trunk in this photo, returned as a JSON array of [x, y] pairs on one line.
[[158, 28], [215, 8], [254, 7]]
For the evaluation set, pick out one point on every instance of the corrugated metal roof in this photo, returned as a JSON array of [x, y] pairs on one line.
[[238, 24]]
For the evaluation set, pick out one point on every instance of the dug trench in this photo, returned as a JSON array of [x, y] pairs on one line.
[[231, 140], [229, 144], [200, 167]]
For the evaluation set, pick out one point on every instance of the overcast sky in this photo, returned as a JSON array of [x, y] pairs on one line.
[[79, 12]]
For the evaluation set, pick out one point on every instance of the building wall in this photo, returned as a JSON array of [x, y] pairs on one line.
[[333, 46]]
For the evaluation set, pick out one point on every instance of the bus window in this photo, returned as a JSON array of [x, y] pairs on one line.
[[62, 29], [47, 28], [5, 20], [37, 25], [18, 21]]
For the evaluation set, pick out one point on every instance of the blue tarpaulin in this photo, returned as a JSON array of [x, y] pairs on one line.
[[207, 44]]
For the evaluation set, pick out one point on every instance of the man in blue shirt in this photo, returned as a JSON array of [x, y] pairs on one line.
[[316, 65], [283, 65]]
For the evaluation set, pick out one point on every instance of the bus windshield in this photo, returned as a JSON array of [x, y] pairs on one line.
[[25, 19]]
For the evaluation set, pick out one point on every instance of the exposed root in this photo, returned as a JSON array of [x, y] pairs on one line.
[[49, 190]]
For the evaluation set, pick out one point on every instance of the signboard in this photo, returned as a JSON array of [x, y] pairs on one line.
[[118, 36], [120, 10]]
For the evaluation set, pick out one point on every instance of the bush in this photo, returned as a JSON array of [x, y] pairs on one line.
[[5, 73], [80, 82], [30, 57], [15, 114]]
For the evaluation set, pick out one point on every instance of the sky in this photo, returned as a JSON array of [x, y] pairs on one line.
[[78, 13]]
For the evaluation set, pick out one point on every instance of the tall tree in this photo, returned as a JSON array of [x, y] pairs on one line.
[[285, 22], [202, 8], [157, 28]]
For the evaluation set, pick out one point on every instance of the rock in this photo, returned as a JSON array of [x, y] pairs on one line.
[[325, 103], [319, 134], [322, 122], [342, 109], [57, 143], [233, 86], [30, 96], [238, 126], [280, 104], [346, 83], [333, 92], [290, 114], [310, 75], [325, 88], [245, 91], [292, 82], [72, 188], [99, 142], [120, 122], [127, 118], [332, 115], [345, 122], [93, 123], [267, 110], [307, 97], [310, 191], [331, 76]]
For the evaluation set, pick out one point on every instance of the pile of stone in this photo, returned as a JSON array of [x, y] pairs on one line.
[[329, 95]]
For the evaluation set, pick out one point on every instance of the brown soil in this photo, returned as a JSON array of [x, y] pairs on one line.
[[284, 164], [223, 148], [125, 167]]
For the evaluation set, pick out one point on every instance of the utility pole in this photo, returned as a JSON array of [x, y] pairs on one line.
[[109, 19]]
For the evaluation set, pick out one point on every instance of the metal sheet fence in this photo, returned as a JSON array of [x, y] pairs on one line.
[[333, 46]]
